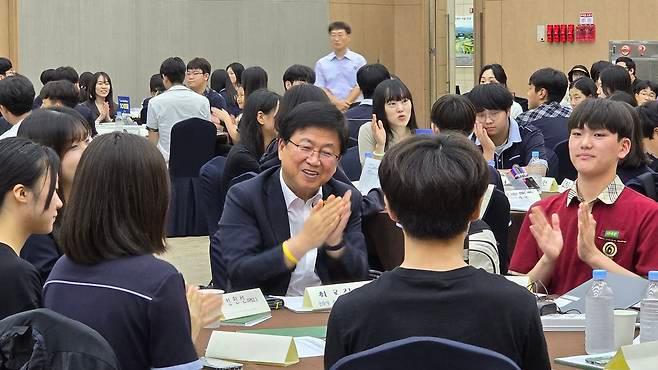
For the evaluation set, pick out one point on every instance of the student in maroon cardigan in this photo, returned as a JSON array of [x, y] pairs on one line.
[[598, 223]]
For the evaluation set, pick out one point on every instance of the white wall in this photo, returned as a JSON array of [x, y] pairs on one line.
[[130, 38]]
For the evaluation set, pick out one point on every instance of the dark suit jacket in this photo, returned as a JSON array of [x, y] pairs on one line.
[[253, 226]]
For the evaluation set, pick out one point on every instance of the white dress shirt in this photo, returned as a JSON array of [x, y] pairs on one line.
[[304, 274], [13, 131]]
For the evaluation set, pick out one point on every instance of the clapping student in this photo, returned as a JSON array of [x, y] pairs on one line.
[[28, 205], [598, 223], [293, 226], [256, 133], [109, 278], [393, 118], [101, 101], [66, 132], [434, 292]]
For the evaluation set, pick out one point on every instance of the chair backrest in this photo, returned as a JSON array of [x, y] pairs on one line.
[[45, 339], [426, 353], [554, 129], [192, 145], [212, 191], [566, 170], [497, 216], [351, 164]]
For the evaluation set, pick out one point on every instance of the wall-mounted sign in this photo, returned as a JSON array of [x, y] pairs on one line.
[[586, 18]]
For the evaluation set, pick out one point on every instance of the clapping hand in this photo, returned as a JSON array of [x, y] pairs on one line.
[[345, 211], [587, 250], [547, 235], [379, 133]]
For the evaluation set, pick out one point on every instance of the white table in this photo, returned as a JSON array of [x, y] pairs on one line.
[[106, 128]]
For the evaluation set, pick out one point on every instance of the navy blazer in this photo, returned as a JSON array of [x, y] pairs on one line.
[[253, 226]]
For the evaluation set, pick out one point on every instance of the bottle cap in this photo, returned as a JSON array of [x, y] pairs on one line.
[[653, 275], [535, 153], [599, 274]]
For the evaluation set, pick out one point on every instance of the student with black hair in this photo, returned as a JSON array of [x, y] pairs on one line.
[[648, 115], [547, 87], [336, 72], [645, 91], [109, 278], [298, 74], [368, 78], [614, 78], [294, 226], [83, 84], [504, 142], [46, 76], [577, 72], [253, 78], [221, 82], [636, 161], [59, 93], [101, 98], [6, 68], [494, 73], [434, 292], [234, 71], [66, 132], [629, 65], [28, 205], [197, 76], [16, 98], [156, 87], [597, 67], [176, 104], [257, 131], [393, 119], [598, 223], [623, 96], [580, 90]]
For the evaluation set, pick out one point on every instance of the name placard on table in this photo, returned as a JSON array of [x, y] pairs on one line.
[[258, 348], [319, 298], [244, 303], [522, 200]]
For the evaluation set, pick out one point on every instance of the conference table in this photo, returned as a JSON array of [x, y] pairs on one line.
[[560, 343]]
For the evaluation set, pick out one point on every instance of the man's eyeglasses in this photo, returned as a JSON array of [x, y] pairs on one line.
[[308, 151], [194, 73]]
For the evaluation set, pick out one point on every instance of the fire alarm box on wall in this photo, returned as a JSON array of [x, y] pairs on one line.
[[586, 33]]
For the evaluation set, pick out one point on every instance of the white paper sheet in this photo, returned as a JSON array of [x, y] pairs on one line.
[[309, 347]]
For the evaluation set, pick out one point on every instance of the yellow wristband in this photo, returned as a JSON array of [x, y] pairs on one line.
[[288, 254]]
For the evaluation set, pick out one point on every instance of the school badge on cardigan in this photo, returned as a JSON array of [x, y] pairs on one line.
[[609, 249], [611, 238]]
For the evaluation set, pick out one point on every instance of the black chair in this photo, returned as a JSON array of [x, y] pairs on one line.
[[212, 192], [354, 125], [497, 216], [192, 145], [553, 163], [554, 129], [566, 170], [351, 164], [425, 353], [44, 339]]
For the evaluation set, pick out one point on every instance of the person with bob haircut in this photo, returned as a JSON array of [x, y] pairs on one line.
[[393, 119], [494, 73], [294, 226], [101, 98], [6, 68], [645, 91], [636, 161], [83, 84], [234, 71], [336, 72], [66, 132], [504, 142], [433, 280], [16, 98], [257, 131], [614, 78], [221, 82], [598, 223], [176, 104], [298, 74], [580, 90], [197, 76], [546, 90], [253, 78], [28, 205], [648, 115], [109, 278], [597, 67]]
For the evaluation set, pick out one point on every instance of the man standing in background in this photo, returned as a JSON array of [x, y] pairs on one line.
[[336, 72]]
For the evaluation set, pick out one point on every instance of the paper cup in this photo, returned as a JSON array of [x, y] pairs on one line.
[[624, 327], [219, 293]]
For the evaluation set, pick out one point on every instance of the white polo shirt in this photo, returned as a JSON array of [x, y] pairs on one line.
[[304, 274], [176, 104]]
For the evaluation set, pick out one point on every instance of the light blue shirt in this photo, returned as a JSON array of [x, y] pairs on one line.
[[338, 75]]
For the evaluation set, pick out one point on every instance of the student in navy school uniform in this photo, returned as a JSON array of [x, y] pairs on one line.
[[28, 204], [65, 131], [109, 278]]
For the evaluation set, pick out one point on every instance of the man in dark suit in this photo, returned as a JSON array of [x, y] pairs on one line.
[[294, 226]]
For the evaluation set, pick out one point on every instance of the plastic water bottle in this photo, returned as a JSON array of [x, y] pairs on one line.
[[649, 311], [599, 316], [536, 168]]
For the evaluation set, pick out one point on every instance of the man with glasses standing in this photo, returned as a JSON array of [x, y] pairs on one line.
[[293, 226]]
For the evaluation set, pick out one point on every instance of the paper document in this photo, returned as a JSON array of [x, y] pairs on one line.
[[309, 347]]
